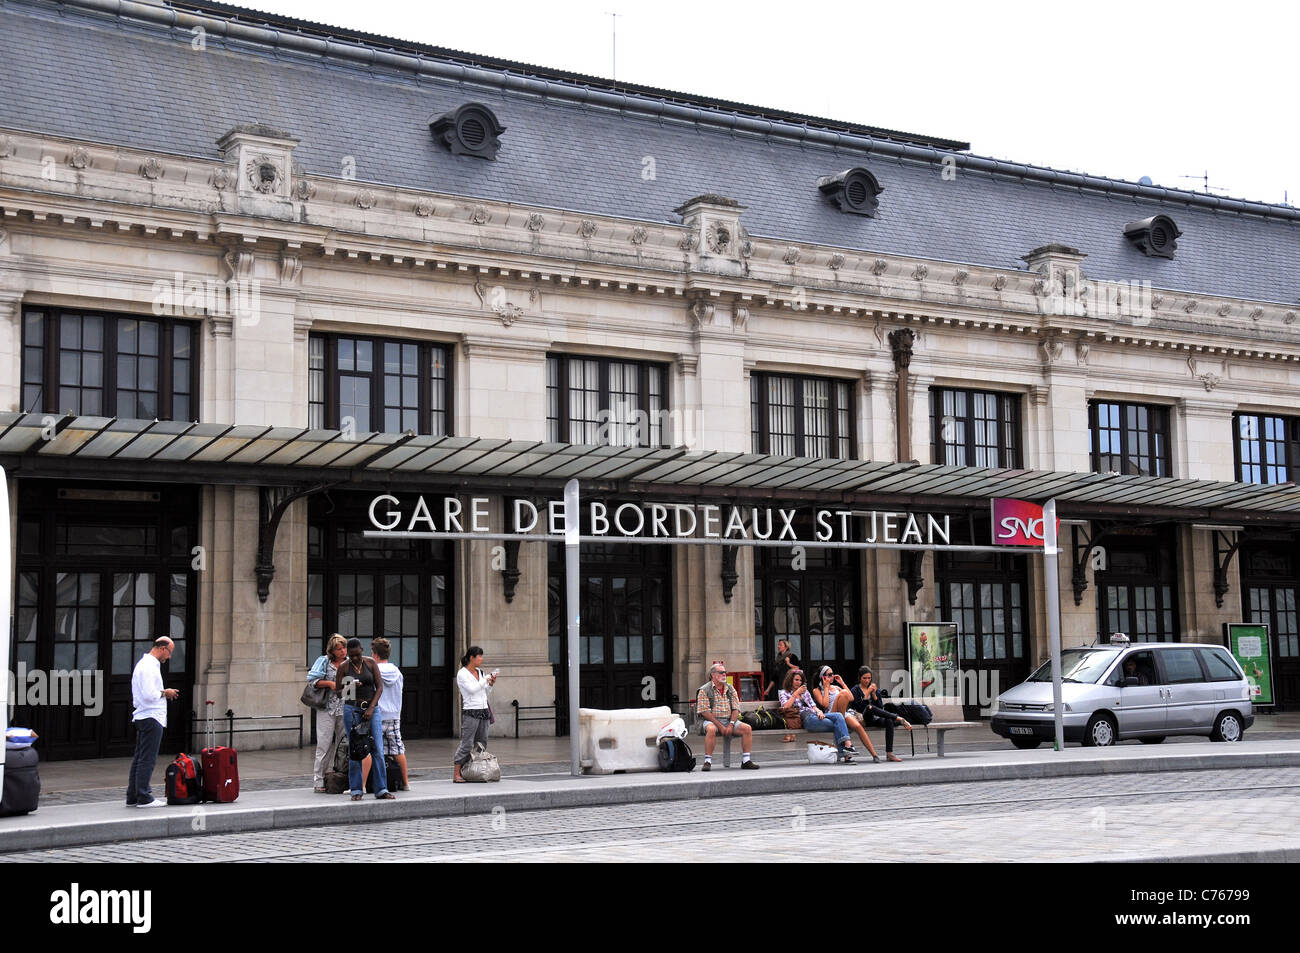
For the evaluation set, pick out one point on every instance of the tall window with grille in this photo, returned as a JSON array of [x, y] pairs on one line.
[[1267, 448], [793, 416], [109, 365], [1137, 591], [599, 400], [378, 384], [1132, 439], [975, 428]]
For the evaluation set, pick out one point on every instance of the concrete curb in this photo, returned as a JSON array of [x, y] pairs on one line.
[[260, 810]]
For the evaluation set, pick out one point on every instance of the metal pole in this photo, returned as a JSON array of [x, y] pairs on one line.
[[1053, 587], [571, 601], [6, 575]]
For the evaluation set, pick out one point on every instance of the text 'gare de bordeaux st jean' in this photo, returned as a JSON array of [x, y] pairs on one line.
[[441, 275]]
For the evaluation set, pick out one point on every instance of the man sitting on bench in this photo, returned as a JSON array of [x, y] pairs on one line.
[[717, 708]]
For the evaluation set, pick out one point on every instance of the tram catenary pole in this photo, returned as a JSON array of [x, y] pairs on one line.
[[1052, 589], [573, 604], [6, 574]]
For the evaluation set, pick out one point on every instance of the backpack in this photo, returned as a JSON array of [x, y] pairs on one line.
[[184, 780], [675, 755], [915, 713], [360, 741]]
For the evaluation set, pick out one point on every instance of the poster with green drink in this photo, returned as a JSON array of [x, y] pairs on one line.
[[932, 655], [1249, 645]]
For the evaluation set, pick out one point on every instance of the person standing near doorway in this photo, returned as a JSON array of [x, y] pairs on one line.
[[475, 714], [149, 715]]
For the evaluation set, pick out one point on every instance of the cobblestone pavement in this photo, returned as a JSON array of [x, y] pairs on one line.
[[1058, 819]]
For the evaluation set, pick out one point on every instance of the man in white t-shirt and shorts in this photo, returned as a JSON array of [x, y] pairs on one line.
[[390, 704]]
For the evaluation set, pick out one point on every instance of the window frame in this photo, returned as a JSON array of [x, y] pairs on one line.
[[1290, 446], [760, 414], [1160, 427], [1009, 457], [330, 392], [52, 317], [559, 425]]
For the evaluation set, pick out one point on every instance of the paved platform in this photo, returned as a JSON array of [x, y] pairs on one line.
[[97, 820]]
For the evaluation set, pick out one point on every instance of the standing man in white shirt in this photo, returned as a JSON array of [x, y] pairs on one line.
[[149, 700]]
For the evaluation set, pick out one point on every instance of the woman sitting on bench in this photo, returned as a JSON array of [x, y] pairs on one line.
[[834, 696], [796, 697]]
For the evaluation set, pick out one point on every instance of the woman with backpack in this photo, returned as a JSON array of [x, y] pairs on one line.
[[475, 714], [329, 720]]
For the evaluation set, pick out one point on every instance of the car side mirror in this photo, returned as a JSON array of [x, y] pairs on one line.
[[1132, 681]]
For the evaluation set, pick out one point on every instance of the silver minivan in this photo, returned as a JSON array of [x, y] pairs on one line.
[[1147, 690]]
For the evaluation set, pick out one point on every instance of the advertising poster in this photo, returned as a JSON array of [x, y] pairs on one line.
[[1249, 645], [932, 658]]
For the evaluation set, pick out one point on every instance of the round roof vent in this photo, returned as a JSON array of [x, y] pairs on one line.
[[853, 190], [1156, 237], [471, 130]]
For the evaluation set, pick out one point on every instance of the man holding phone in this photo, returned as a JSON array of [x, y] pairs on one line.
[[149, 702]]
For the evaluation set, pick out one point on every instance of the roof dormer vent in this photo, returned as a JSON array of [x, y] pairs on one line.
[[853, 190], [471, 130], [1155, 236]]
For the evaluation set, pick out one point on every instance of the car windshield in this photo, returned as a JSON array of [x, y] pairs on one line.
[[1077, 665]]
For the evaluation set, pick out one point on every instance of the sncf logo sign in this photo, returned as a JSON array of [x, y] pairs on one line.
[[1018, 523]]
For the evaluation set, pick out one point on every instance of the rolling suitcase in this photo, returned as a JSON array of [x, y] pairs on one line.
[[22, 784], [220, 768]]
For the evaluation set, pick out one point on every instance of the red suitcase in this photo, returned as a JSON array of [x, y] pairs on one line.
[[220, 768]]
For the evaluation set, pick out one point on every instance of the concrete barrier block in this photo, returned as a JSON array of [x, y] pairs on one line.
[[622, 739]]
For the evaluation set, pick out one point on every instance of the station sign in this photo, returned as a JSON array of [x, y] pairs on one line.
[[1018, 523]]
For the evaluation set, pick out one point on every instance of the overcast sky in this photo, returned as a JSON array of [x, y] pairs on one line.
[[1118, 89]]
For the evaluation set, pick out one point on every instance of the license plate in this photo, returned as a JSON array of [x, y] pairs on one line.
[[1022, 731]]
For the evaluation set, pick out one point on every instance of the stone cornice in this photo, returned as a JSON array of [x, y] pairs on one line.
[[159, 196]]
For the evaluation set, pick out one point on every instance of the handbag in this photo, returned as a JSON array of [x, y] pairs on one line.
[[821, 754], [360, 741], [314, 697], [482, 766]]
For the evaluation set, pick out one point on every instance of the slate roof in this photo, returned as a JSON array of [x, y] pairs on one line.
[[76, 72]]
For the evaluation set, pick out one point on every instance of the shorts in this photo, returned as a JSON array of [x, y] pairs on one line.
[[393, 737]]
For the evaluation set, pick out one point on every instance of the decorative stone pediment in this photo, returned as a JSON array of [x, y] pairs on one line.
[[262, 159], [715, 235]]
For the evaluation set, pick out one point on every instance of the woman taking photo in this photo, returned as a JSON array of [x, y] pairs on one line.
[[834, 696], [329, 720], [796, 697], [474, 689]]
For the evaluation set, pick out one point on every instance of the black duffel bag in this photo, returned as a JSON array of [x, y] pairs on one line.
[[22, 787], [914, 713]]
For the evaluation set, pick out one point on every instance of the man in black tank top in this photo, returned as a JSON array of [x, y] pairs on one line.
[[361, 684]]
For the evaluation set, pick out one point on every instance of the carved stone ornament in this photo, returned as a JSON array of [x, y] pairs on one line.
[[1157, 301], [1040, 287], [366, 199], [151, 168], [1189, 307], [999, 282], [222, 179], [478, 215], [587, 229], [900, 342], [746, 246], [1290, 318], [921, 272], [508, 313], [689, 242], [878, 267], [836, 262], [290, 268], [304, 191], [1051, 349], [79, 158], [791, 256], [1224, 310], [701, 313], [535, 222], [960, 277], [639, 235], [718, 238], [424, 208], [1081, 350], [239, 264], [263, 174], [1256, 314], [7, 147], [739, 318]]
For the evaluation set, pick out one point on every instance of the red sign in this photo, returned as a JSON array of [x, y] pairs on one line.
[[1018, 523]]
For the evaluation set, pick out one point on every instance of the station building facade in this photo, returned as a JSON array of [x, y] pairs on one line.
[[255, 272]]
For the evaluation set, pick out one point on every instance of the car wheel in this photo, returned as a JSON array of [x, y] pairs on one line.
[[1227, 728], [1100, 732], [1026, 744], [1153, 740]]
